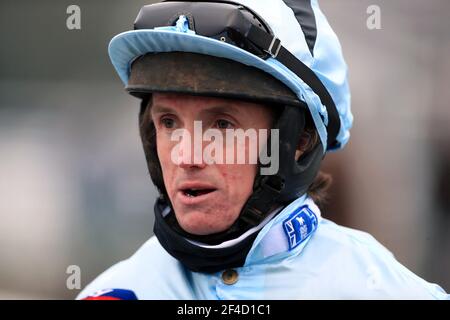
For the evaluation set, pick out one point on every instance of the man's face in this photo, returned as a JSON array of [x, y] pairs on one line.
[[207, 198]]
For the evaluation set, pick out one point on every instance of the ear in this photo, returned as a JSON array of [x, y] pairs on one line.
[[304, 142], [298, 154]]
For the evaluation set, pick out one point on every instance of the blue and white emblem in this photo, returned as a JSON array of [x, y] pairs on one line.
[[299, 225]]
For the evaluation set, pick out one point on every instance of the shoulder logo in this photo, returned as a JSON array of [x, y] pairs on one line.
[[299, 225], [112, 294]]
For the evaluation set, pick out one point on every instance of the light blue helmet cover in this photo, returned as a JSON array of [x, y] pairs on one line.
[[319, 50]]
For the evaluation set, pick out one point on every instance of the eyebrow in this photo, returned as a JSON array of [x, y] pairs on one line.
[[160, 109]]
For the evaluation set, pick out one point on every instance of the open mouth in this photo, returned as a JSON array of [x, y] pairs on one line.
[[192, 193]]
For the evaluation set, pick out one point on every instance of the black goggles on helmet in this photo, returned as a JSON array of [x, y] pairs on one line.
[[239, 26]]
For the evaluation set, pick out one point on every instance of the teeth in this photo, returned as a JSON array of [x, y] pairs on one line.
[[189, 193], [194, 192]]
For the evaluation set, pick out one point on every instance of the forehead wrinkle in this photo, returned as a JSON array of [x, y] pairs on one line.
[[205, 111], [219, 109]]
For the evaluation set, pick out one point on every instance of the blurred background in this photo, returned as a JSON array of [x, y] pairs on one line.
[[74, 186]]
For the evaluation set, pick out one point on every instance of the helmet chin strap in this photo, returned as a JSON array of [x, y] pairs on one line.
[[269, 191]]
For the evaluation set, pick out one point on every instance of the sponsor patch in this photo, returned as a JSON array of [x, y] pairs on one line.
[[299, 226]]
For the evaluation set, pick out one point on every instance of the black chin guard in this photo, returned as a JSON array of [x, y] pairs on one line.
[[194, 257]]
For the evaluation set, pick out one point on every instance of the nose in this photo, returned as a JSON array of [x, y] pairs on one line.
[[190, 150]]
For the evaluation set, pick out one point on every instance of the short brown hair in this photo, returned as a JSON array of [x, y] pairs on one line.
[[318, 190]]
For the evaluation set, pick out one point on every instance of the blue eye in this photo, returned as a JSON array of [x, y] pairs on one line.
[[168, 123], [224, 124]]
